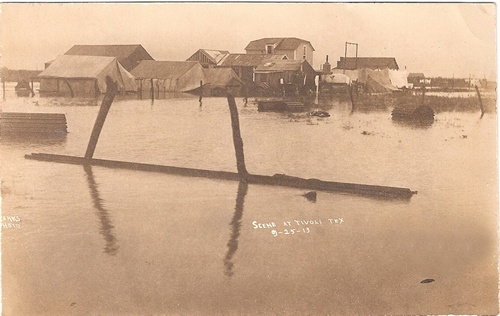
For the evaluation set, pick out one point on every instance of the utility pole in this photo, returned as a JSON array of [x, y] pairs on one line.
[[345, 55]]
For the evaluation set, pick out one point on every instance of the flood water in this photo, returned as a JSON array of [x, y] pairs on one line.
[[112, 242]]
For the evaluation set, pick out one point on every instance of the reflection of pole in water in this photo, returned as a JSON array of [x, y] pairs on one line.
[[232, 244], [106, 226]]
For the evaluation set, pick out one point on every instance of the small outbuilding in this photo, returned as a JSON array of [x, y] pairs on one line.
[[83, 76], [286, 75]]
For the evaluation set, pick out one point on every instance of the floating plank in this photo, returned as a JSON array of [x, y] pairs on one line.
[[279, 180]]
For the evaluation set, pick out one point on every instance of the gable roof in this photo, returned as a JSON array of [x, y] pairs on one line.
[[246, 60], [214, 55], [118, 51], [367, 62], [68, 66], [151, 69], [280, 43], [273, 65]]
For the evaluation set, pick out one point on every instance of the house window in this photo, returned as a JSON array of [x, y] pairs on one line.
[[304, 53], [269, 49]]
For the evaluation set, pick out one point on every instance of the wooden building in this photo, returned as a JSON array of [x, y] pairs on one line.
[[290, 76], [208, 57], [294, 48], [83, 76], [245, 64], [128, 56], [352, 63]]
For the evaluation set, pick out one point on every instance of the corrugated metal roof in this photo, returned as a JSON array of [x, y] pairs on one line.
[[151, 69], [215, 55], [281, 43], [246, 60], [69, 66], [118, 51], [273, 65]]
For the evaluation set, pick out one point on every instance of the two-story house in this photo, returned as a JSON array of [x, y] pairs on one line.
[[294, 48]]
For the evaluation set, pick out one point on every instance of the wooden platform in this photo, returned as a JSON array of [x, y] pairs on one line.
[[33, 123], [280, 106]]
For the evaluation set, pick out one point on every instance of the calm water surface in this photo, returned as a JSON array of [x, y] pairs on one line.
[[110, 241]]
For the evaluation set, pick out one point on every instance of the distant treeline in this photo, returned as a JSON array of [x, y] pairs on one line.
[[11, 75]]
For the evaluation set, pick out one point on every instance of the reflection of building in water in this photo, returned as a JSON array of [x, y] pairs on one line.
[[232, 245], [106, 226]]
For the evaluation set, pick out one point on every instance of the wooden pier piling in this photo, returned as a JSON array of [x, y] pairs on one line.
[[237, 140], [101, 116]]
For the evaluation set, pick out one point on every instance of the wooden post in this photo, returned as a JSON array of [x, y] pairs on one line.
[[201, 92], [238, 142], [111, 89], [480, 101], [352, 99], [152, 91]]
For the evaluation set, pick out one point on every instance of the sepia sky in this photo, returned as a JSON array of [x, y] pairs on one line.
[[437, 39]]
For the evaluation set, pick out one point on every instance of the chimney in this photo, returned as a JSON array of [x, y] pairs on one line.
[[327, 68]]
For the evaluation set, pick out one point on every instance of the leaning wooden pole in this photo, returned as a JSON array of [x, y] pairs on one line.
[[480, 101], [237, 140], [101, 116]]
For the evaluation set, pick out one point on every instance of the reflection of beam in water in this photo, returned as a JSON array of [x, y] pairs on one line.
[[106, 226], [232, 245]]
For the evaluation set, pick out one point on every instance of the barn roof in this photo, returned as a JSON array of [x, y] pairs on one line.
[[215, 55], [152, 69], [281, 43], [247, 60], [118, 51], [68, 66], [367, 62]]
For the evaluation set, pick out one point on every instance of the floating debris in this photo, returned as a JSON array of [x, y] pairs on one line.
[[310, 196], [427, 281], [319, 113]]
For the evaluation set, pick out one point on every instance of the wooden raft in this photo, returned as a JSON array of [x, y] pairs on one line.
[[33, 123]]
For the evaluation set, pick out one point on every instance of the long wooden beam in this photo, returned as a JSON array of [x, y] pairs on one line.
[[277, 179]]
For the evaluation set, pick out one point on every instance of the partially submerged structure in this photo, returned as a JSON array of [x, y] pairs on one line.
[[168, 76], [245, 64], [83, 76], [290, 77], [129, 56], [218, 80]]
